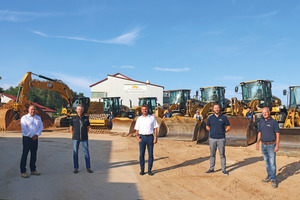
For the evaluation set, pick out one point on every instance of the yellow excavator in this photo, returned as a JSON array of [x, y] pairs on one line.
[[290, 133], [7, 115]]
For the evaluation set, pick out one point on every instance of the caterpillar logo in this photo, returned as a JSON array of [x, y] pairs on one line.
[[135, 86]]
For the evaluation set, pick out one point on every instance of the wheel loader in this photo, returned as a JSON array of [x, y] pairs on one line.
[[7, 115], [290, 133], [126, 122]]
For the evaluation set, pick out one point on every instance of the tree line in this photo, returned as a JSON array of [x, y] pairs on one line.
[[48, 98]]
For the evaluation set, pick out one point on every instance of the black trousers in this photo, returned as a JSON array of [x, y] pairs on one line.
[[32, 146]]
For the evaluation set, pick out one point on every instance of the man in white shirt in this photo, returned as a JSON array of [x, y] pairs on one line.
[[146, 133], [32, 127]]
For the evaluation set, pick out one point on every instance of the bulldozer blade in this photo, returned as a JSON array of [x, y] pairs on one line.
[[123, 125], [242, 131], [5, 118], [289, 139], [178, 128]]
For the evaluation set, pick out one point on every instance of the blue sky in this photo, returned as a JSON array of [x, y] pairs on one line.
[[177, 44]]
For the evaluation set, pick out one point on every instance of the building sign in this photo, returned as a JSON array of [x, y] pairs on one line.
[[135, 89]]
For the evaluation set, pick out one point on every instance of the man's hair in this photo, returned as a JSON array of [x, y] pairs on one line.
[[145, 106], [268, 109], [31, 105], [79, 105], [215, 104]]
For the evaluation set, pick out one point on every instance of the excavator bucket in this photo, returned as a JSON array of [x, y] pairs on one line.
[[290, 139], [178, 128], [123, 125], [242, 131], [5, 118]]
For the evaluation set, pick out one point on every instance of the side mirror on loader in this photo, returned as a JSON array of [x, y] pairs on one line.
[[236, 89], [284, 92]]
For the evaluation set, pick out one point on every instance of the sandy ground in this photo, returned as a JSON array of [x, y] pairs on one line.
[[179, 171]]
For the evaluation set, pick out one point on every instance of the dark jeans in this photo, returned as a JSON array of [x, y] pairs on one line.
[[146, 141], [85, 148], [32, 146], [220, 144], [270, 159]]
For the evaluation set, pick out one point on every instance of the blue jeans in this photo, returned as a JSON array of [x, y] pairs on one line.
[[270, 159], [85, 148], [32, 146], [146, 141]]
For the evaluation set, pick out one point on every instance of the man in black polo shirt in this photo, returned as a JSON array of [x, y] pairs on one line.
[[269, 135], [217, 125], [79, 127]]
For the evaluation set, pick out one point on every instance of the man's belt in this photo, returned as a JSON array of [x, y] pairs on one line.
[[268, 143], [146, 135]]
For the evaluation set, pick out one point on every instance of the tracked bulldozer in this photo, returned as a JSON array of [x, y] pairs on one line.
[[25, 86], [290, 133]]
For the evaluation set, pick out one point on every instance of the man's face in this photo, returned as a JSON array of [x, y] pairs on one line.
[[79, 110], [248, 109], [32, 110], [266, 113], [216, 109], [145, 110], [198, 113]]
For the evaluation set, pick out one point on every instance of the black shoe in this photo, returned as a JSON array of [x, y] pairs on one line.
[[89, 170], [209, 171], [225, 173], [142, 173], [75, 171], [266, 180], [150, 173], [274, 183]]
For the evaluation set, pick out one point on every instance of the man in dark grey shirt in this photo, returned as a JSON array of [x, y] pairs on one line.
[[79, 127]]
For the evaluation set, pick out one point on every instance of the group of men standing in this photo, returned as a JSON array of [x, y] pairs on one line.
[[146, 133]]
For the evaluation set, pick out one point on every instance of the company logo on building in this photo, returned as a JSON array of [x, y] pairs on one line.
[[135, 89]]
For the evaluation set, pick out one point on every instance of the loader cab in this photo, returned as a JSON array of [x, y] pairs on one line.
[[150, 102], [179, 98], [111, 104], [257, 90], [84, 101], [294, 100], [214, 95]]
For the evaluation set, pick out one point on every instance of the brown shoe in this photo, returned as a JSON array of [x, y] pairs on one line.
[[89, 170], [36, 173], [24, 175]]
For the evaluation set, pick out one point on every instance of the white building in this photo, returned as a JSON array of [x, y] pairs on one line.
[[119, 85]]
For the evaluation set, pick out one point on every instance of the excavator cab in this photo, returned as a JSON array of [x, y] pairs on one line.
[[112, 104], [214, 95], [179, 99], [150, 102], [257, 90], [84, 101]]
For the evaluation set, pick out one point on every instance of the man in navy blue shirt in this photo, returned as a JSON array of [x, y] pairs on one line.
[[250, 114], [217, 125], [168, 114], [269, 135]]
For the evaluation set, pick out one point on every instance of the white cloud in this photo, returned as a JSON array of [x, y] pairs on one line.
[[18, 16], [231, 78], [172, 69], [265, 15], [127, 67], [5, 86], [125, 39], [74, 81]]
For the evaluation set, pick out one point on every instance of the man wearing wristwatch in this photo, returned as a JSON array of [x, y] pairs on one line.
[[146, 133]]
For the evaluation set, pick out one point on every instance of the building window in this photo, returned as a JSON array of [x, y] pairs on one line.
[[98, 94]]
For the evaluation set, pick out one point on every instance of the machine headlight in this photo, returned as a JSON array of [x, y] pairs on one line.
[[261, 102], [178, 104], [281, 107]]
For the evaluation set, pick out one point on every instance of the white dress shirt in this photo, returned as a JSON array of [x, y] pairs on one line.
[[31, 125], [146, 125]]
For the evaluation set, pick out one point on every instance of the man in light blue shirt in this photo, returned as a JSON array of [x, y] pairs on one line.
[[32, 127]]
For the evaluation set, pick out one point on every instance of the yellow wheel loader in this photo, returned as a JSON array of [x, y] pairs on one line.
[[290, 133]]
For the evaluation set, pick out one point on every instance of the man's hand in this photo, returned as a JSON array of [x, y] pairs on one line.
[[257, 146], [276, 148], [138, 138], [155, 141], [34, 137]]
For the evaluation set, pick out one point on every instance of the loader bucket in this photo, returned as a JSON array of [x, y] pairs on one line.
[[201, 134], [123, 125], [178, 128], [290, 139], [5, 118], [242, 131]]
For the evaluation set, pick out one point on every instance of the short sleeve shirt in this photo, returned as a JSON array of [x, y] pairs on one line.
[[146, 125], [217, 126], [250, 115], [268, 129]]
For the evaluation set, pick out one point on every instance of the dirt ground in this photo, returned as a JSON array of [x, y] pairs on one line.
[[178, 166]]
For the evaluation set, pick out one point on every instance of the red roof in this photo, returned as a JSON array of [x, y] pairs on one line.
[[125, 78], [45, 109]]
